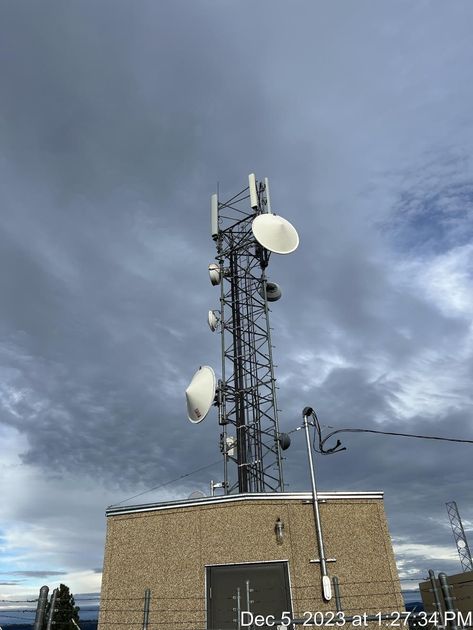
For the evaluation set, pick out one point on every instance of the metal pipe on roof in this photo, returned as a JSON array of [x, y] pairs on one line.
[[326, 584], [41, 607], [52, 610], [146, 609]]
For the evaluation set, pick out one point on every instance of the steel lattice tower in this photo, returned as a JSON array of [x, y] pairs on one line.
[[460, 537], [247, 389]]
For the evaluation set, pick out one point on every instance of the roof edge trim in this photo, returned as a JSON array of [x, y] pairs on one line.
[[231, 498]]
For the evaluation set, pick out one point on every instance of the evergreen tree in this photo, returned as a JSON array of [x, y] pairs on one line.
[[65, 611]]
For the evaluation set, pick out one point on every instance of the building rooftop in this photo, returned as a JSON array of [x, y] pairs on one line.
[[231, 498]]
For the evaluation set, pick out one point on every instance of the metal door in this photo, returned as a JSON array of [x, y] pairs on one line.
[[259, 588]]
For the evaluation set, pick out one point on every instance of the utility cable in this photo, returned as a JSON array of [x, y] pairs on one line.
[[166, 483], [411, 435], [18, 601], [338, 447], [322, 440]]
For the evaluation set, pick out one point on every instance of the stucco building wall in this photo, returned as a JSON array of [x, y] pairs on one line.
[[166, 548]]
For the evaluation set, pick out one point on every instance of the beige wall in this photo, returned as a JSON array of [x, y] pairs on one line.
[[167, 551], [462, 592]]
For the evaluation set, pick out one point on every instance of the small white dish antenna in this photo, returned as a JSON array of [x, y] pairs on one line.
[[214, 273], [273, 292], [231, 443], [275, 233], [213, 320], [196, 494], [200, 394]]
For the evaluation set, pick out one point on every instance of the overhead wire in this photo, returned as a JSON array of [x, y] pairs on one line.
[[321, 449], [18, 601], [167, 483], [338, 447]]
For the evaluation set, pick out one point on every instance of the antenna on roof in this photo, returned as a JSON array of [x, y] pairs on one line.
[[196, 494]]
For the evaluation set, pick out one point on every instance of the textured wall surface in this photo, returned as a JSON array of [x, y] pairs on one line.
[[167, 551], [461, 591]]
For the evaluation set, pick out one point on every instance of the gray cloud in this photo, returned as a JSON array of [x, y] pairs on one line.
[[10, 583], [117, 121], [39, 574]]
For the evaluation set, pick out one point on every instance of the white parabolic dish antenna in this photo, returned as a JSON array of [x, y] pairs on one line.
[[200, 394], [212, 321], [196, 494], [275, 233]]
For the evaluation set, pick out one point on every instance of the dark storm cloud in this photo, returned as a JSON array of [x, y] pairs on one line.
[[79, 102], [117, 132], [117, 121], [99, 315], [435, 206]]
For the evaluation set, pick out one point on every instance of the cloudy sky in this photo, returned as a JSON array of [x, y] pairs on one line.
[[117, 120]]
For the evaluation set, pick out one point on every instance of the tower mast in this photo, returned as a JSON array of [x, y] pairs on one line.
[[245, 232], [248, 385], [460, 536]]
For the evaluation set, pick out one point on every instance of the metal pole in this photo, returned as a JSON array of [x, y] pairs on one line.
[[249, 601], [436, 595], [336, 589], [449, 606], [146, 609], [41, 607], [222, 410], [238, 374], [273, 381], [237, 597], [51, 609], [326, 585]]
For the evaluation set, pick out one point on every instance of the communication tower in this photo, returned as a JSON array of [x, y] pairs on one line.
[[459, 535], [245, 232]]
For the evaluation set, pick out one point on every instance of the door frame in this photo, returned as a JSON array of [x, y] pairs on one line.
[[230, 564]]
